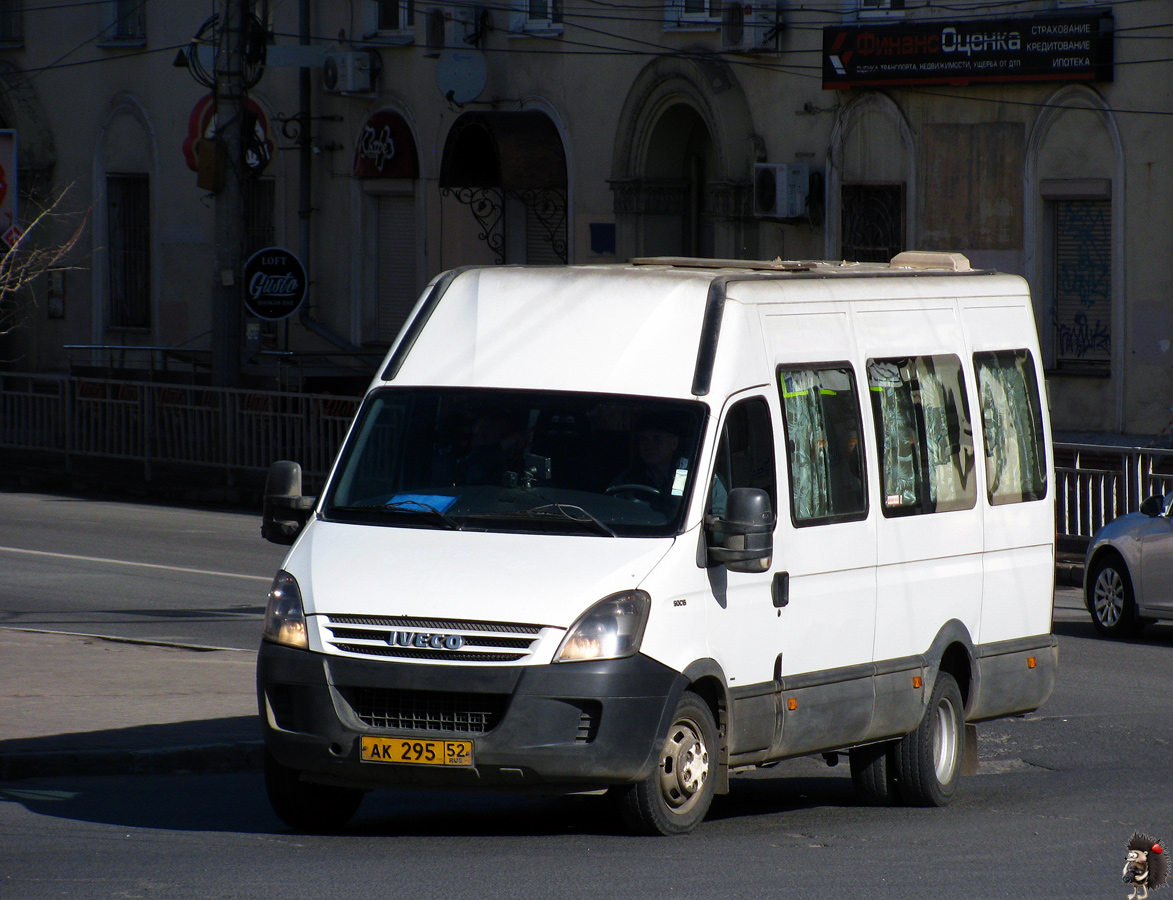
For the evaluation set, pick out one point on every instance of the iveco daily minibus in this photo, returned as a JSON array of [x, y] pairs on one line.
[[633, 528]]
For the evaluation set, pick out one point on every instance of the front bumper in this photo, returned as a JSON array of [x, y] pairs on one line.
[[564, 727]]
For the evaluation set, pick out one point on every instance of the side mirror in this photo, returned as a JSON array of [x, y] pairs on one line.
[[1152, 506], [284, 511], [748, 532]]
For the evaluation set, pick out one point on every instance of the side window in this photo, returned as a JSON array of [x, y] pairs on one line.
[[924, 434], [745, 457], [823, 449], [1012, 423]]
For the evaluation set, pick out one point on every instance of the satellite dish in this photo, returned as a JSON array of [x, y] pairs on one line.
[[461, 75]]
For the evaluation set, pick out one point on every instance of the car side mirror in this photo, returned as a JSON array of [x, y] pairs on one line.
[[747, 532], [1152, 506], [284, 510]]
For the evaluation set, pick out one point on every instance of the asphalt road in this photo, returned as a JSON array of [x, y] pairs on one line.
[[133, 570], [1057, 795], [1056, 798]]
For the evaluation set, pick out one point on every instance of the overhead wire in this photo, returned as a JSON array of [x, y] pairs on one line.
[[631, 45]]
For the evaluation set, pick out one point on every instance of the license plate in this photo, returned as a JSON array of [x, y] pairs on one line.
[[420, 753]]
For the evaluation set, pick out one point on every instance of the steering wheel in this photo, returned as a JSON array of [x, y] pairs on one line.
[[649, 492]]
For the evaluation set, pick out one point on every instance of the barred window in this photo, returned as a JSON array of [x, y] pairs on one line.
[[1082, 302], [128, 221], [128, 20], [11, 21]]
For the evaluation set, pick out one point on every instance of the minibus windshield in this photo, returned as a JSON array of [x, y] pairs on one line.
[[520, 461]]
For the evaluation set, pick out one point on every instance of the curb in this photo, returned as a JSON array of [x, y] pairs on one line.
[[1069, 574], [232, 757]]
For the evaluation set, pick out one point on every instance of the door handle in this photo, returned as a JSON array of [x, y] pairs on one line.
[[780, 589]]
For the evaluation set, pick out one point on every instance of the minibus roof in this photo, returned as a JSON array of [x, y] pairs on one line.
[[651, 326]]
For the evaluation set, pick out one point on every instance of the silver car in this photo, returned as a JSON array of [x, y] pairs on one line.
[[1128, 575]]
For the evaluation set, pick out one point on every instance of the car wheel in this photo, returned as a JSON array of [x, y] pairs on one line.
[[305, 806], [929, 760], [873, 774], [1110, 599], [676, 796]]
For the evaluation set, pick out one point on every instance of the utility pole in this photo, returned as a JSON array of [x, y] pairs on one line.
[[230, 109], [305, 153]]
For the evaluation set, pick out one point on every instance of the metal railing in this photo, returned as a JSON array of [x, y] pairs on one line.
[[241, 430], [231, 430], [1096, 484]]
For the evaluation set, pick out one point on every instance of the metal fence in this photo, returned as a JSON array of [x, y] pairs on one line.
[[238, 430], [151, 423], [1096, 484]]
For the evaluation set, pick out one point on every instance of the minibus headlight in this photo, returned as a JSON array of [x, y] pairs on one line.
[[611, 629], [284, 614]]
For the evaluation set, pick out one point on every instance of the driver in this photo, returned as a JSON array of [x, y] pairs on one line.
[[656, 443]]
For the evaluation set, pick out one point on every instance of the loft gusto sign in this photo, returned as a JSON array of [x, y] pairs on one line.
[[274, 284]]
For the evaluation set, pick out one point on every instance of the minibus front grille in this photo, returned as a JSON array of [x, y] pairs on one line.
[[411, 653], [440, 640], [444, 624], [408, 710]]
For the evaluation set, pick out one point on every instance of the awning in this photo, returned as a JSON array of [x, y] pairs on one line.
[[508, 150]]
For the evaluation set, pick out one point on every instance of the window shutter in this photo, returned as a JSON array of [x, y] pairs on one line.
[[396, 272]]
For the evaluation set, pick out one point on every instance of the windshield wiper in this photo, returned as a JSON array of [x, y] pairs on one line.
[[567, 511]]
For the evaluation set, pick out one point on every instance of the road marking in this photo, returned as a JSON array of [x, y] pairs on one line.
[[141, 565]]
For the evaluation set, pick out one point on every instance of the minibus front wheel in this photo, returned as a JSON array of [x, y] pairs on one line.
[[675, 798], [305, 806]]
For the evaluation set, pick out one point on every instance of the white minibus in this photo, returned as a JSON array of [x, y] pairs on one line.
[[634, 528]]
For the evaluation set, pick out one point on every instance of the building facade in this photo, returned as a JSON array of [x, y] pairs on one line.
[[1033, 137]]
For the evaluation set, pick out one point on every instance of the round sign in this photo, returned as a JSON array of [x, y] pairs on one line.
[[274, 283]]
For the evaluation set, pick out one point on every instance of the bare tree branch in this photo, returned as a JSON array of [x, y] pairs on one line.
[[38, 251]]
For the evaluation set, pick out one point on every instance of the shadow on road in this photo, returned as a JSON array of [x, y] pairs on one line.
[[236, 803], [143, 739]]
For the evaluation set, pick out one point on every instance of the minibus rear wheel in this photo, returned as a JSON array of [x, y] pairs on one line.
[[873, 773], [929, 760], [676, 796], [305, 806]]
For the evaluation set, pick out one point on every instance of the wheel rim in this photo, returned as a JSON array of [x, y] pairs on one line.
[[1109, 597], [684, 766], [946, 741]]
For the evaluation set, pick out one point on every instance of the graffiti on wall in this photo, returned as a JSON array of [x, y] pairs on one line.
[[1083, 281]]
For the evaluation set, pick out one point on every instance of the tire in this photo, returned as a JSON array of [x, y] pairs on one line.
[[675, 798], [305, 806], [873, 774], [929, 760], [1110, 599]]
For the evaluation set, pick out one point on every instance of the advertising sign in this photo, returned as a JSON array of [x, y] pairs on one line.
[[258, 140], [10, 232], [385, 148], [1068, 47], [274, 284]]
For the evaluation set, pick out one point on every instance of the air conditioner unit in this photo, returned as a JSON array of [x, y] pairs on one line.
[[349, 72], [449, 28], [751, 27], [780, 190]]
